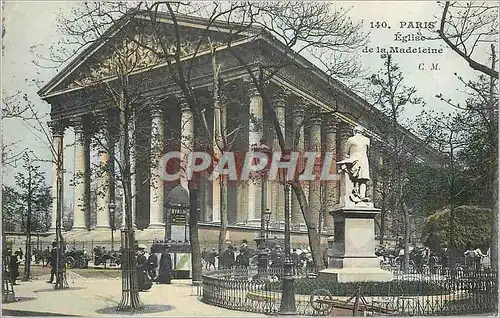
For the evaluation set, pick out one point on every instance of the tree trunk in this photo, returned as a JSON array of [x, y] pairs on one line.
[[27, 259], [406, 214], [382, 220], [223, 217], [193, 232], [312, 234], [61, 281], [130, 284], [494, 227]]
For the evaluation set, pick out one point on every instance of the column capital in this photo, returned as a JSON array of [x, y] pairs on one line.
[[298, 111], [330, 123], [78, 124], [181, 101], [250, 86], [156, 110], [57, 127], [280, 97]]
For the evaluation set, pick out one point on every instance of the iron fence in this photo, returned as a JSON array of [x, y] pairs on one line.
[[454, 292]]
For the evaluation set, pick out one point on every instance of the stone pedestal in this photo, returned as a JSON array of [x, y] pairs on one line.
[[352, 248]]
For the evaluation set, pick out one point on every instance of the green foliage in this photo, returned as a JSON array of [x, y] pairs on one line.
[[31, 185], [306, 286], [11, 208], [426, 189], [471, 227]]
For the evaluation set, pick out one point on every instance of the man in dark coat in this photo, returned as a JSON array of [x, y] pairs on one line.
[[227, 259], [211, 258], [152, 265], [165, 272], [53, 262], [13, 267], [244, 254]]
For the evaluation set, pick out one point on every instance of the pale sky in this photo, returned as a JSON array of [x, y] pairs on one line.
[[29, 24]]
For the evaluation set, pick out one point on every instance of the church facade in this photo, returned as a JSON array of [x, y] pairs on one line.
[[315, 112]]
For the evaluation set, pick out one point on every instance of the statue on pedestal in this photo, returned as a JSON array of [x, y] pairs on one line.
[[355, 165]]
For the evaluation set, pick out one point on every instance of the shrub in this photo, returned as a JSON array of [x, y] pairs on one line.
[[306, 286]]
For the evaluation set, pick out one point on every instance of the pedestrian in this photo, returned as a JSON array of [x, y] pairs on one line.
[[20, 253], [470, 257], [13, 268], [211, 258], [204, 255], [227, 259], [142, 266], [152, 265], [46, 257], [244, 254], [478, 257], [325, 257], [165, 272], [295, 260], [445, 257], [53, 263]]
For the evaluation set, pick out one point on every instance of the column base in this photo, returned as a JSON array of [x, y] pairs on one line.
[[103, 227], [253, 223], [79, 228], [156, 226]]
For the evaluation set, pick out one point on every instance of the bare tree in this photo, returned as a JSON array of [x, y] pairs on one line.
[[466, 27]]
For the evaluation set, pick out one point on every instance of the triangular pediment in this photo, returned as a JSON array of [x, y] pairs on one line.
[[138, 44]]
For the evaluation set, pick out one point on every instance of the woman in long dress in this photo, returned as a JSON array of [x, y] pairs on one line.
[[165, 271]]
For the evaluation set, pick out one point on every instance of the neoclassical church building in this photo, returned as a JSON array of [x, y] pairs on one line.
[[316, 113]]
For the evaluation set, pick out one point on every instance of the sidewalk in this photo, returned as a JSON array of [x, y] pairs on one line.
[[99, 297]]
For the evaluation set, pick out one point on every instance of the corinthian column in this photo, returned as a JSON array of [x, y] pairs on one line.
[[331, 192], [57, 149], [104, 176], [255, 132], [156, 184], [79, 203], [344, 132], [187, 137], [297, 145], [315, 146], [277, 194]]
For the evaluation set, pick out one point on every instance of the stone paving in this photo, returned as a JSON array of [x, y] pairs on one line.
[[99, 297]]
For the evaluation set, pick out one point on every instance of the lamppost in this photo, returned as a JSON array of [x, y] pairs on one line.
[[263, 255], [267, 218], [287, 306], [112, 209]]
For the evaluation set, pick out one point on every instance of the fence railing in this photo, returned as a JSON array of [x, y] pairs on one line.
[[410, 294]]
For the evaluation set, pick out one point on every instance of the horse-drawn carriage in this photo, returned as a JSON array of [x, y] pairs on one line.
[[101, 256]]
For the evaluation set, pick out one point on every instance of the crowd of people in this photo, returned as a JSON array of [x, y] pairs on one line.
[[244, 257], [425, 257]]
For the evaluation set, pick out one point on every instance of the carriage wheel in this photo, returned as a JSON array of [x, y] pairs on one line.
[[70, 262], [80, 262], [321, 300]]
